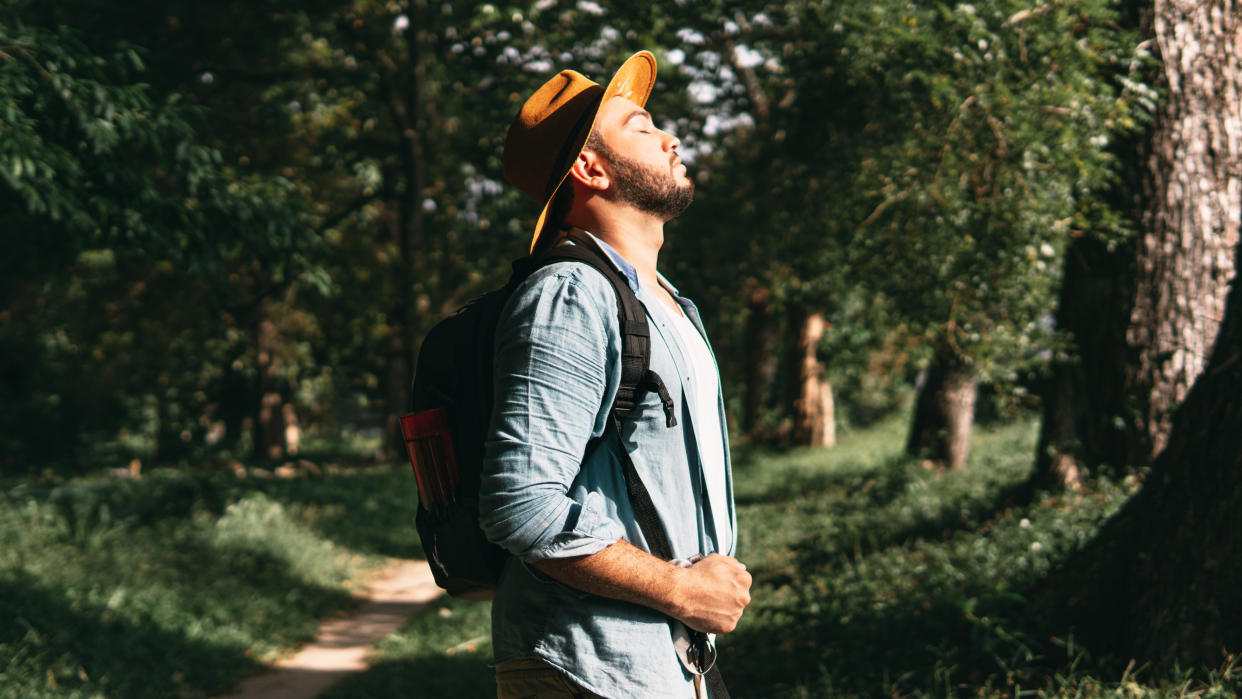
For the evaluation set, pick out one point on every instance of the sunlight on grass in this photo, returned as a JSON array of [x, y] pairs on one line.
[[180, 583], [873, 576]]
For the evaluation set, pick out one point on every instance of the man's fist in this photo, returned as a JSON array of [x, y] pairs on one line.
[[712, 594]]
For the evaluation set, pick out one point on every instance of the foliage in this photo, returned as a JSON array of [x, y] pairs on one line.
[[128, 239], [935, 157], [996, 156]]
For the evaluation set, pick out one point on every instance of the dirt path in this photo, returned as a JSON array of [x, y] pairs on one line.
[[342, 646]]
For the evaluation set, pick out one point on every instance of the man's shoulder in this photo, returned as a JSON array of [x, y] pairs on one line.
[[551, 288], [562, 275]]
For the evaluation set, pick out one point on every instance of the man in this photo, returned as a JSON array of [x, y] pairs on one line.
[[582, 608]]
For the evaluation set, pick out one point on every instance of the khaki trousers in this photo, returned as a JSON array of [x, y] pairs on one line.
[[535, 679]]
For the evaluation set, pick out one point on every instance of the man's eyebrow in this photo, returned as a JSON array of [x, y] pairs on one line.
[[637, 113]]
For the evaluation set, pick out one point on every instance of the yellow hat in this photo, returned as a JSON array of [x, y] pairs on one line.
[[548, 134]]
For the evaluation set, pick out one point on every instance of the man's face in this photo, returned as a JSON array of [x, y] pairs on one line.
[[647, 172]]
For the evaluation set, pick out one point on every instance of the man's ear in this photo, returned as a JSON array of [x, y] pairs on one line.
[[591, 170]]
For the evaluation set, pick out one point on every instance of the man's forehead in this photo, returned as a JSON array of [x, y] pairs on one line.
[[618, 110]]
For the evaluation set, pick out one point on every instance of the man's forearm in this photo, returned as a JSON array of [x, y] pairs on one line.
[[708, 596]]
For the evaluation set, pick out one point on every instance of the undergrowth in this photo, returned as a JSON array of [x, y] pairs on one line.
[[873, 577], [181, 583]]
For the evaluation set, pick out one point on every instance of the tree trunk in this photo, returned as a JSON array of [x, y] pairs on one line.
[[1160, 581], [760, 365], [1194, 196], [814, 423], [944, 412], [809, 397], [408, 110], [270, 433], [1170, 293], [1085, 409]]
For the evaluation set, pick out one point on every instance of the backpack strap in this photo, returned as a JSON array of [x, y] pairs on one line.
[[636, 375]]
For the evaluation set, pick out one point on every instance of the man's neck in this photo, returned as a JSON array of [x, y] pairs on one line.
[[636, 237]]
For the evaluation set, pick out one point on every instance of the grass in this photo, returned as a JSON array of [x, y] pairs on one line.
[[180, 584], [876, 577], [873, 577]]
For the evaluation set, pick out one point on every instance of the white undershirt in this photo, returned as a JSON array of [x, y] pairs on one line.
[[703, 396]]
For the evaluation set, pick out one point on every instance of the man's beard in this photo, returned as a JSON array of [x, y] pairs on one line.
[[649, 190]]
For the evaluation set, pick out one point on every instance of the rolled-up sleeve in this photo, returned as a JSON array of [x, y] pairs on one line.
[[552, 375]]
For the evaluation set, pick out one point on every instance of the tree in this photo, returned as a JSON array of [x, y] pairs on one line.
[[1163, 295], [1159, 582], [986, 133], [115, 210]]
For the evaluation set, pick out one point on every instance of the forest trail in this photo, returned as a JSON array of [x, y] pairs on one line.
[[397, 591]]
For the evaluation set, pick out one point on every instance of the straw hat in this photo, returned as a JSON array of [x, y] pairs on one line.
[[549, 132]]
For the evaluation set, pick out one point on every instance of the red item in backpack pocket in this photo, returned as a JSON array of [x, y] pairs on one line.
[[429, 441]]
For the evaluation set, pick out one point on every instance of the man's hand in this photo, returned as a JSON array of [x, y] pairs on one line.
[[713, 593]]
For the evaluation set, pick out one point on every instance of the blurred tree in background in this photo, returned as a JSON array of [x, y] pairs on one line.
[[129, 247], [931, 160]]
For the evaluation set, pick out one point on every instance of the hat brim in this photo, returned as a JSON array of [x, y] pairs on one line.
[[633, 81]]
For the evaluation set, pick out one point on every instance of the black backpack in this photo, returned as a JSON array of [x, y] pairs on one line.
[[451, 408]]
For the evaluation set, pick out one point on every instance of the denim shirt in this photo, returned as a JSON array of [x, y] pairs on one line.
[[557, 369]]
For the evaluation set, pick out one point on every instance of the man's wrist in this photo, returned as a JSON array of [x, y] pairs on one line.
[[675, 600]]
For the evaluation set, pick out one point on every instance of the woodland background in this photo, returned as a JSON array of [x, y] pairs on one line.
[[227, 226]]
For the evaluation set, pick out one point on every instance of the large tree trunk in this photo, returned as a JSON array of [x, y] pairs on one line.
[[1160, 582], [944, 412], [1190, 228], [1170, 293], [760, 364]]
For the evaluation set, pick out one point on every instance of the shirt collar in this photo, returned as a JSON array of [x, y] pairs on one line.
[[623, 266], [631, 275]]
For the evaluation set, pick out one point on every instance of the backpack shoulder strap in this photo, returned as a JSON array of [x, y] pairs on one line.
[[636, 375]]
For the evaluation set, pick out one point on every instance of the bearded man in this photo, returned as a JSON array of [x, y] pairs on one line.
[[583, 608]]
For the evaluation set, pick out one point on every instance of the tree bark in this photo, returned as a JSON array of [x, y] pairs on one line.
[[408, 110], [1194, 195], [1160, 581], [1166, 289], [944, 412], [760, 365], [808, 416], [270, 423]]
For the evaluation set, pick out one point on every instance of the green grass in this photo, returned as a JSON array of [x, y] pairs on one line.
[[873, 577], [180, 584]]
